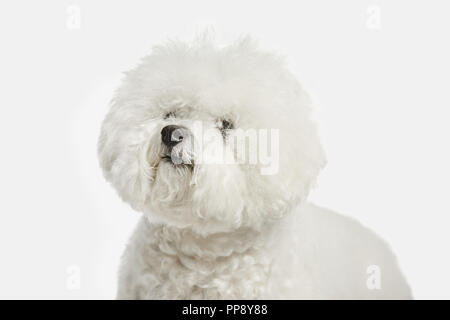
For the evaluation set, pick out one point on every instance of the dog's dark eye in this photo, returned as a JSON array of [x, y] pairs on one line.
[[224, 126], [170, 114], [227, 125]]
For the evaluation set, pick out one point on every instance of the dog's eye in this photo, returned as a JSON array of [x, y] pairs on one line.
[[227, 125], [224, 126], [170, 114]]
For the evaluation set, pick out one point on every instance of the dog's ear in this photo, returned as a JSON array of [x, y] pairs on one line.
[[301, 158], [122, 152]]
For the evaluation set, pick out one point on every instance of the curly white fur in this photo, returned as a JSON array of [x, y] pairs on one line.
[[211, 230]]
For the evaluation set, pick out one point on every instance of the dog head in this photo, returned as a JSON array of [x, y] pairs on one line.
[[211, 138]]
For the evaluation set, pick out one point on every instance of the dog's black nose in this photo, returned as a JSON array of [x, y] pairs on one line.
[[171, 135]]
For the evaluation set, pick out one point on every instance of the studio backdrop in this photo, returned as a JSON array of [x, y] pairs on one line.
[[377, 72]]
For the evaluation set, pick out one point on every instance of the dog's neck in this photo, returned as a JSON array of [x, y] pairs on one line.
[[185, 242], [183, 261]]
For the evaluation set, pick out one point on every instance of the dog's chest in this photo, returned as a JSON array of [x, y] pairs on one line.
[[180, 277], [156, 266]]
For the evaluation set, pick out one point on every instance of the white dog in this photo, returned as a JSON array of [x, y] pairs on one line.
[[240, 228]]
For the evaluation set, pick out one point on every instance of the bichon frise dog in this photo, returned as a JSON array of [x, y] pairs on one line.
[[217, 148]]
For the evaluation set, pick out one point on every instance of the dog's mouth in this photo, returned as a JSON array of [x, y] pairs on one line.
[[177, 162]]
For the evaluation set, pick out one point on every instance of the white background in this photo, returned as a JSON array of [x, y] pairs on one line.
[[378, 72]]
